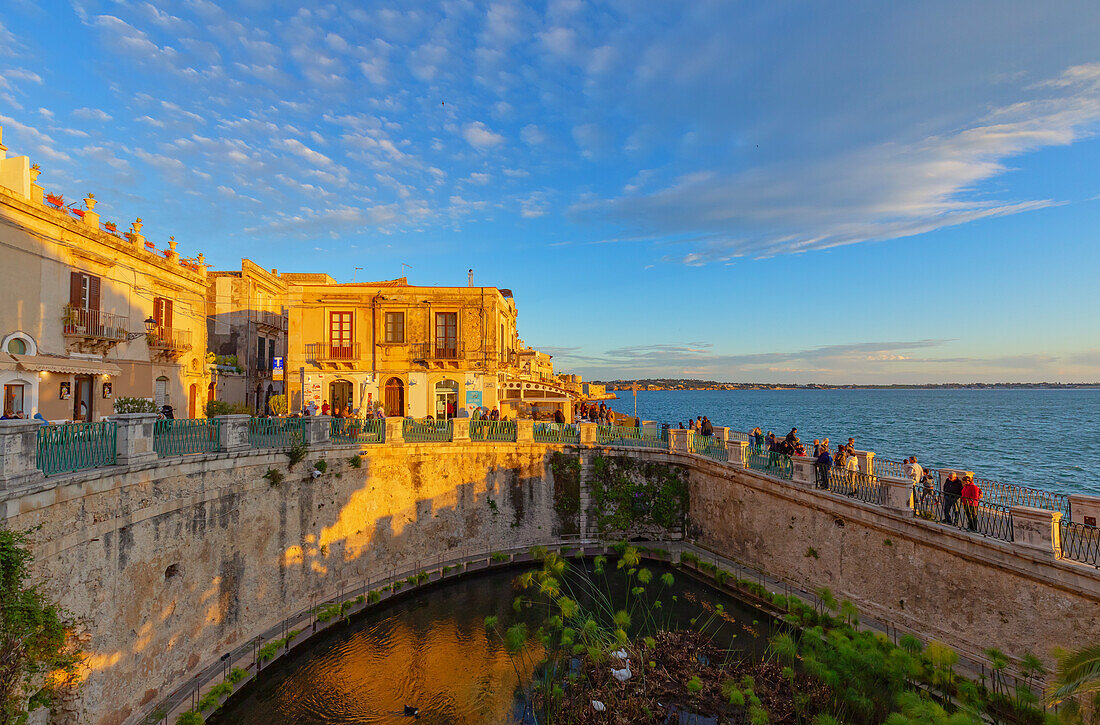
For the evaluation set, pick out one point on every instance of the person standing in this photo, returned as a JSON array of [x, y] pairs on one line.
[[913, 470], [971, 495], [851, 464], [952, 491], [824, 463], [707, 429]]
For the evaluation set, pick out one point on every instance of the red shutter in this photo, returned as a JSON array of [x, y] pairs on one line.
[[167, 320], [93, 292], [75, 289]]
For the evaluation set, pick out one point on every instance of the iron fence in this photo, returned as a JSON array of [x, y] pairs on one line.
[[710, 447], [493, 430], [1008, 494], [771, 463], [1080, 542], [354, 430], [557, 433], [426, 431], [625, 435], [858, 485], [987, 519], [276, 432], [184, 436], [886, 467], [75, 446]]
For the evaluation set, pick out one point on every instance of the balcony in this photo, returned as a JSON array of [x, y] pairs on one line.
[[93, 330], [168, 342], [274, 320], [438, 353], [326, 353]]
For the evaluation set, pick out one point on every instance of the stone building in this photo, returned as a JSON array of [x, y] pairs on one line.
[[88, 314], [415, 351], [246, 334]]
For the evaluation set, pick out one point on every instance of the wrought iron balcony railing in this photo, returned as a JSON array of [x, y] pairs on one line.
[[82, 322], [438, 350], [169, 338], [330, 352]]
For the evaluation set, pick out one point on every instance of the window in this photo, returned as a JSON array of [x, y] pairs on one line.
[[446, 335], [270, 352], [17, 346], [340, 335], [161, 392], [261, 350], [83, 291], [162, 312], [395, 327], [13, 399]]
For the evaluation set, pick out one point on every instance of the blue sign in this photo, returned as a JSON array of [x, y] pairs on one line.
[[276, 368], [473, 398]]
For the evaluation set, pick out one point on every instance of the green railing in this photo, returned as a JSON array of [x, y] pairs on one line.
[[1080, 542], [493, 430], [627, 435], [426, 431], [771, 463], [855, 484], [185, 436], [76, 446], [354, 430], [710, 447], [557, 433], [276, 432]]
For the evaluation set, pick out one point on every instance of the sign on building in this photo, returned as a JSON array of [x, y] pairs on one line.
[[473, 398], [276, 368]]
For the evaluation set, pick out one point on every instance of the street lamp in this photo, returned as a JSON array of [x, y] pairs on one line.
[[150, 325]]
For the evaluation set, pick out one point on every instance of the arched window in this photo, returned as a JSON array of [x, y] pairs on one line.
[[19, 343]]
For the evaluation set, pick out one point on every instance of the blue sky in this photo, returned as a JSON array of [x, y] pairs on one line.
[[832, 192]]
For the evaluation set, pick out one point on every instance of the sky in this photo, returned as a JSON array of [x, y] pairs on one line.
[[843, 192]]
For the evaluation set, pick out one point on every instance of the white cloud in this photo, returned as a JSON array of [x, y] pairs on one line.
[[532, 135], [22, 74], [92, 114], [478, 135], [478, 178]]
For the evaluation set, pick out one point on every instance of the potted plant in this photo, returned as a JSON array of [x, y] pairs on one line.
[[78, 213], [150, 245], [56, 199], [110, 226]]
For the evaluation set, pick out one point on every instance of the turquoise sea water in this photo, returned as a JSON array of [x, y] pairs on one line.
[[1046, 439]]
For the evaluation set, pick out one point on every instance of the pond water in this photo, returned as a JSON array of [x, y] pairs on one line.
[[430, 649]]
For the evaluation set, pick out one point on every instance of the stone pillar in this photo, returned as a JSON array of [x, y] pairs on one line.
[[525, 431], [317, 428], [135, 438], [460, 430], [650, 427], [722, 434], [589, 436], [803, 473], [18, 445], [1084, 509], [395, 430], [679, 440], [233, 433], [1037, 530], [91, 217], [866, 462], [738, 453], [897, 493], [945, 472]]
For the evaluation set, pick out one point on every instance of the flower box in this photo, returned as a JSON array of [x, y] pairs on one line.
[[78, 213], [150, 245], [110, 226], [56, 199]]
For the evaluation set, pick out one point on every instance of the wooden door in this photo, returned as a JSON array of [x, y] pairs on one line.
[[395, 397]]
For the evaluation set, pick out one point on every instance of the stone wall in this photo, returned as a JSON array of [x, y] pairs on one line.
[[169, 564]]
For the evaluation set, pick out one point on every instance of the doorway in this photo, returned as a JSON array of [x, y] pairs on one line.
[[395, 397], [446, 399], [339, 395], [82, 398], [192, 401]]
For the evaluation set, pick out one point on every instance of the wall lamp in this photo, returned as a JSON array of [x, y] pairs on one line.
[[150, 325]]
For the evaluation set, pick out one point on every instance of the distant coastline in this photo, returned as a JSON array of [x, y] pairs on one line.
[[686, 384]]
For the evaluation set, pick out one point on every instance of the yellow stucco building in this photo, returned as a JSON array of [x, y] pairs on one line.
[[88, 314], [415, 351]]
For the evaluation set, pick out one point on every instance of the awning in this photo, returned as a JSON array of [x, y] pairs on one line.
[[7, 362], [53, 364]]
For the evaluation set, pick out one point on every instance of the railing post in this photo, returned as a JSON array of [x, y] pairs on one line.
[[525, 431], [233, 433], [738, 452], [1038, 530], [589, 435], [18, 449], [679, 440], [1084, 509], [803, 471], [722, 434], [134, 439], [395, 430], [866, 462], [460, 430], [897, 493], [317, 429]]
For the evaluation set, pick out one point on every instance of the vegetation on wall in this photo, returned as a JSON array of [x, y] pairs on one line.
[[630, 494], [220, 407], [38, 652], [135, 405], [567, 490]]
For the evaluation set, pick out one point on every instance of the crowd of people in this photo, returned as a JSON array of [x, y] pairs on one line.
[[601, 414]]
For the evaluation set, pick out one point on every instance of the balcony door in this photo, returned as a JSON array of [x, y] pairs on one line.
[[340, 335], [162, 313], [446, 335], [83, 303]]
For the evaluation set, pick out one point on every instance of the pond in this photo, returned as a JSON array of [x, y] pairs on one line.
[[430, 649]]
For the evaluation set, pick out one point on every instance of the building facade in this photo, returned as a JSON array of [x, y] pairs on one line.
[[87, 314], [413, 351], [246, 335]]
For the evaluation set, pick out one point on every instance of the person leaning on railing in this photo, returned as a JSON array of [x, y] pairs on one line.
[[971, 495], [952, 491]]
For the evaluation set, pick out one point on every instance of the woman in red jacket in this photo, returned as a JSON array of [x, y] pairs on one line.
[[971, 495]]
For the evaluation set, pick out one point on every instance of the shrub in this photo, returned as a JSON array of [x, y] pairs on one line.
[[220, 407], [374, 597], [189, 718], [811, 552], [360, 599], [274, 477], [321, 466], [498, 557], [356, 461], [135, 405], [237, 674], [278, 404], [296, 453]]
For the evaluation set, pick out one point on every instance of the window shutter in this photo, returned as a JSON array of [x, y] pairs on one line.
[[167, 322], [93, 292], [75, 289]]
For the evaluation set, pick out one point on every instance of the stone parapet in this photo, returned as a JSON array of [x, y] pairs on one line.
[[525, 431], [589, 435], [1084, 509], [135, 437], [804, 474], [18, 451], [233, 433], [866, 462], [897, 493], [316, 429], [1037, 530], [722, 434], [395, 430], [738, 452], [460, 429]]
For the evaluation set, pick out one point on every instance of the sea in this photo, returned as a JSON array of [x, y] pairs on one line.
[[1042, 438]]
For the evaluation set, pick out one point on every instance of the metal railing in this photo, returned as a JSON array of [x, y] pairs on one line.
[[981, 517], [1080, 542], [770, 463], [276, 432], [75, 446], [858, 485], [276, 320], [493, 430], [169, 338], [426, 431], [557, 433], [354, 430], [82, 322], [438, 350], [184, 436], [886, 467], [326, 351], [710, 447], [628, 435], [737, 435]]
